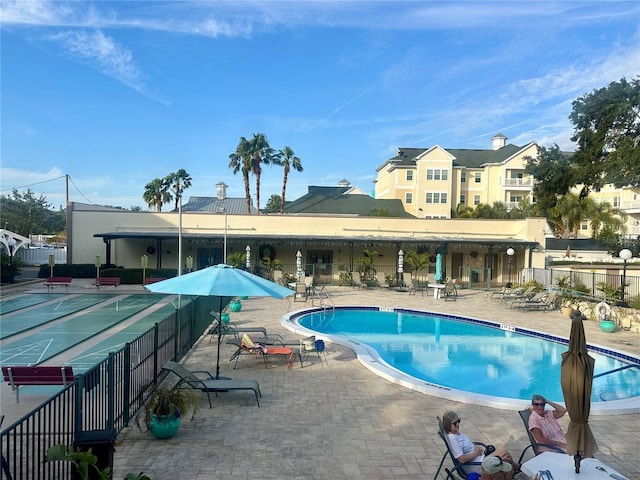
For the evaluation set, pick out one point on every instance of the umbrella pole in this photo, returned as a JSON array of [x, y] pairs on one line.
[[577, 458], [219, 337]]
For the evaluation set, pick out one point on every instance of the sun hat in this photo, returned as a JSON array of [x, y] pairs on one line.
[[494, 464]]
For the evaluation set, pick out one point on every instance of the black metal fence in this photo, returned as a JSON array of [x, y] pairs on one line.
[[101, 402]]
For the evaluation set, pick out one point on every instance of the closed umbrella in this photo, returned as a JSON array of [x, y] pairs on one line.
[[220, 281], [576, 378], [438, 267]]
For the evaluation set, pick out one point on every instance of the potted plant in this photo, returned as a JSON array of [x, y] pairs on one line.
[[565, 293], [166, 406], [85, 462]]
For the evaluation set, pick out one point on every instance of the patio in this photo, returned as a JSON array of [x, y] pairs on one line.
[[344, 421]]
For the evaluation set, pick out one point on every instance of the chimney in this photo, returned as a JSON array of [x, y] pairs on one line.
[[221, 189], [498, 141]]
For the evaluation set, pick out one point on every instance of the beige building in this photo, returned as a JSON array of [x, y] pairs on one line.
[[472, 251], [433, 182]]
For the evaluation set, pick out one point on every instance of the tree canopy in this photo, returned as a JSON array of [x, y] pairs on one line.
[[26, 213], [607, 130]]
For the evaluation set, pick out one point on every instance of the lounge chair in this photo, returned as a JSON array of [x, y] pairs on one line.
[[206, 382], [356, 281], [232, 329], [547, 303], [506, 292], [301, 292], [533, 444], [450, 292], [527, 296], [247, 345], [415, 286], [526, 293], [458, 467]]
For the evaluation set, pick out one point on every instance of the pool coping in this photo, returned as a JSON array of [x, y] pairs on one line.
[[371, 360]]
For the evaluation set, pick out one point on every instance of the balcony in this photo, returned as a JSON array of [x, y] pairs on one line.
[[518, 182]]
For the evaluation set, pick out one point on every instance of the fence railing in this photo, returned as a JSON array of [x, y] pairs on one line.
[[90, 412]]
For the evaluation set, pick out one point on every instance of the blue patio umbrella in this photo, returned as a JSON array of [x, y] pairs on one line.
[[220, 281], [438, 267]]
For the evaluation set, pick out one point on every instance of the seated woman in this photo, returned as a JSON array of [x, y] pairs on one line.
[[464, 450]]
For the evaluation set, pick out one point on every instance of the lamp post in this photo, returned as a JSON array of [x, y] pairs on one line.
[[179, 193], [144, 263], [52, 262], [400, 268], [625, 254], [510, 253], [222, 196], [98, 266], [248, 259]]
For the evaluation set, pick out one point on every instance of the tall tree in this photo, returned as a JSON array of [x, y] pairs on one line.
[[273, 204], [27, 213], [604, 215], [607, 130], [261, 154], [554, 176], [178, 182], [240, 161], [287, 158], [156, 194], [568, 214]]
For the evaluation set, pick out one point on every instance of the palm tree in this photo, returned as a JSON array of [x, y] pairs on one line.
[[417, 261], [602, 215], [156, 194], [178, 182], [367, 265], [288, 160], [568, 213], [261, 154], [240, 161]]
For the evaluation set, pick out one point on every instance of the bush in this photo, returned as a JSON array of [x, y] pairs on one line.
[[128, 276]]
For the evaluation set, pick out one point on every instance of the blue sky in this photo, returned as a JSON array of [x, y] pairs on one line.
[[115, 94]]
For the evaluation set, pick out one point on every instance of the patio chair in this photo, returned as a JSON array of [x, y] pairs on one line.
[[450, 292], [548, 303], [247, 345], [458, 467], [513, 292], [532, 297], [301, 292], [232, 329], [415, 286], [206, 382], [356, 281], [525, 293], [533, 444], [309, 345]]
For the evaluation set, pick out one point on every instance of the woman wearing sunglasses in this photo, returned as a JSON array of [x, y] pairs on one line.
[[543, 424], [464, 450]]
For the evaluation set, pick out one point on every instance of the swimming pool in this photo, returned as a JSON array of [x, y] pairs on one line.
[[467, 359]]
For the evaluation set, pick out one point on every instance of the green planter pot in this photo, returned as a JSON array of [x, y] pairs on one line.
[[235, 305], [226, 317], [244, 297], [164, 426], [607, 326]]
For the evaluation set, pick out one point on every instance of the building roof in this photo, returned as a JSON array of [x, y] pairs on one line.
[[464, 157], [233, 206], [344, 201]]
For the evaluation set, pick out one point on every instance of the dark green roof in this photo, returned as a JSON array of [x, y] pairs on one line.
[[464, 157]]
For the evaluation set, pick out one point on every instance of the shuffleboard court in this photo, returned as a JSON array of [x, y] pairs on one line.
[[43, 345], [117, 340], [18, 322], [18, 303]]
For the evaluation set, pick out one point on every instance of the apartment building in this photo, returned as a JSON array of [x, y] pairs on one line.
[[433, 182]]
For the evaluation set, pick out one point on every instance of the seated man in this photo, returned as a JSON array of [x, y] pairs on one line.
[[544, 424]]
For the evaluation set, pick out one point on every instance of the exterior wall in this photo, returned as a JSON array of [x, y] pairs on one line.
[[436, 161], [508, 180], [345, 237]]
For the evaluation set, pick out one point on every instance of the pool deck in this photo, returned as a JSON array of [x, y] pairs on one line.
[[343, 421]]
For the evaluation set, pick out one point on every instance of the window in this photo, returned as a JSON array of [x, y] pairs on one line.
[[437, 174], [584, 225], [463, 199], [616, 201], [408, 198], [410, 176], [478, 177], [463, 177], [476, 199], [436, 197]]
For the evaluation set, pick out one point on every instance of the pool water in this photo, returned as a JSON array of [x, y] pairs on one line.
[[471, 355]]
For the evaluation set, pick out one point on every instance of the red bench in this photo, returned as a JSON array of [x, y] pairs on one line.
[[150, 280], [53, 281], [107, 281], [37, 375]]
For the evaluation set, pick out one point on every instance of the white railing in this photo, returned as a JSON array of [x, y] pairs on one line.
[[40, 256]]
